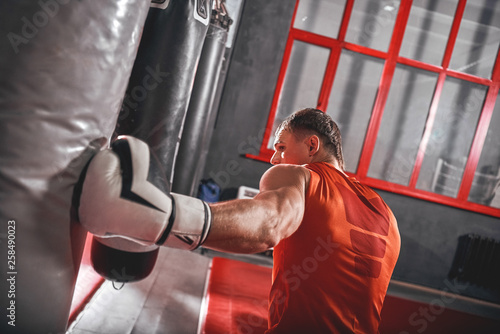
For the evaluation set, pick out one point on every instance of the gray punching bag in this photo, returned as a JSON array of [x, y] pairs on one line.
[[153, 110], [196, 133], [64, 69]]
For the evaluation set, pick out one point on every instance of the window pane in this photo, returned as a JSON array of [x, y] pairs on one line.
[[427, 30], [402, 125], [484, 188], [303, 80], [351, 101], [451, 138], [322, 17], [371, 23], [478, 38]]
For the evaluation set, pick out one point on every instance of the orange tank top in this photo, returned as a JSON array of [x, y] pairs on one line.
[[332, 274]]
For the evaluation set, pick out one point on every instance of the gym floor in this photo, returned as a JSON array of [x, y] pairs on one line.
[[170, 300], [176, 296]]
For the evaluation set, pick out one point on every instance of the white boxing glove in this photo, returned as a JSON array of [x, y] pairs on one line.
[[125, 194]]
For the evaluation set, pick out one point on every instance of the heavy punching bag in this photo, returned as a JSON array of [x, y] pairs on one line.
[[153, 110], [64, 69], [196, 134]]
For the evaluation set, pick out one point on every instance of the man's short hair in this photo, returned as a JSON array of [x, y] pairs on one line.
[[310, 121]]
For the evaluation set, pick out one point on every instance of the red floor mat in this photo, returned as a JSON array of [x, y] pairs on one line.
[[87, 283], [237, 297], [237, 303]]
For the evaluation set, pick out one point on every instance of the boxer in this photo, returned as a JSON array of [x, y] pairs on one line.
[[336, 242]]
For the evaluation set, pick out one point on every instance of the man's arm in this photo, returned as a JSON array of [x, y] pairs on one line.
[[255, 225], [119, 198]]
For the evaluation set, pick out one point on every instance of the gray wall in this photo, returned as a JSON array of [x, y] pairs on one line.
[[248, 93], [429, 238], [429, 231]]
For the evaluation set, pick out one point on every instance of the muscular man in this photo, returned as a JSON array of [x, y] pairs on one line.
[[335, 241]]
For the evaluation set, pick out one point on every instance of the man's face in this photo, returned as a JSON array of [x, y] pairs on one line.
[[289, 150]]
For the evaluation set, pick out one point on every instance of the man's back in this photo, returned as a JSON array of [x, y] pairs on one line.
[[332, 274]]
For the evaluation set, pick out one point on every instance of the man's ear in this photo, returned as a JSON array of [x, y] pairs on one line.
[[314, 144]]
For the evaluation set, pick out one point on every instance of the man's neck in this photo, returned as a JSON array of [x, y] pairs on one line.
[[324, 157], [329, 159]]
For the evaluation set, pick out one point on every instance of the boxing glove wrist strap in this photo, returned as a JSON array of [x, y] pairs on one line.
[[188, 225]]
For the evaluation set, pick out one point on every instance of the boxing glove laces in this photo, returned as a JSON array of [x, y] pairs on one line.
[[125, 194]]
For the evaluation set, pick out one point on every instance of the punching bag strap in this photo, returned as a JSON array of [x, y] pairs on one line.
[[220, 17]]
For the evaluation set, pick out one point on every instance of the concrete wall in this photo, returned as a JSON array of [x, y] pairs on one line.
[[429, 238], [429, 231]]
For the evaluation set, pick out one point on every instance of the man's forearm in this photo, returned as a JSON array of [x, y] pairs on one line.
[[242, 226]]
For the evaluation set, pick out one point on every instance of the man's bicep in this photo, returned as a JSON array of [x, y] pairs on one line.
[[284, 188], [254, 225]]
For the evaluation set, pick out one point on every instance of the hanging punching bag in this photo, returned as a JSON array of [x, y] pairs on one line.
[[64, 69], [195, 136], [153, 110]]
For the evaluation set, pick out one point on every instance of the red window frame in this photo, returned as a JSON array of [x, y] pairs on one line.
[[392, 58]]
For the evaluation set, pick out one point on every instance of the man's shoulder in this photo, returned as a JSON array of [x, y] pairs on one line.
[[285, 175], [289, 169]]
